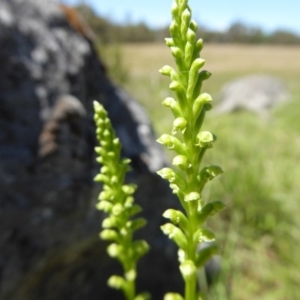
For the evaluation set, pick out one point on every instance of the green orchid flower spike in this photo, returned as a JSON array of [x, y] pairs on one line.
[[188, 178], [117, 201]]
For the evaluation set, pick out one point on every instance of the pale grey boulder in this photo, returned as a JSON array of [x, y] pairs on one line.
[[256, 93]]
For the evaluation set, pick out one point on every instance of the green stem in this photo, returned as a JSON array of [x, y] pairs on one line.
[[130, 291], [191, 281], [190, 288]]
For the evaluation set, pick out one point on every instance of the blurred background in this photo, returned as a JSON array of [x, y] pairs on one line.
[[257, 147], [259, 231]]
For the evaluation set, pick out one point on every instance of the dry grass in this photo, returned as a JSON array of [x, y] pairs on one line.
[[143, 59], [225, 62]]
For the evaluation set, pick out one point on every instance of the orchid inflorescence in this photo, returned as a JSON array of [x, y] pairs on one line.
[[117, 201], [188, 178]]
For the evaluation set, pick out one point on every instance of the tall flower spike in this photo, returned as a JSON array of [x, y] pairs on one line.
[[189, 107]]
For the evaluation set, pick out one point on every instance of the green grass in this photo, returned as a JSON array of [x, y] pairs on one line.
[[259, 232]]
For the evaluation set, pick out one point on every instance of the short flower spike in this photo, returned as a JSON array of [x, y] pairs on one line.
[[116, 200]]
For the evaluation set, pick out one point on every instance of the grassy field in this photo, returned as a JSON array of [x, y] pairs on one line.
[[259, 232]]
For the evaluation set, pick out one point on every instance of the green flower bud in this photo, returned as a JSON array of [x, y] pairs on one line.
[[99, 131], [197, 64], [173, 177], [104, 170], [179, 124], [169, 71], [99, 150], [124, 232], [166, 173], [172, 143], [130, 275], [129, 189], [174, 28], [169, 42], [175, 188], [182, 162], [174, 105], [104, 144], [116, 144], [106, 134], [177, 218], [193, 196], [185, 21], [129, 201], [188, 270], [117, 282], [188, 54], [193, 26], [101, 178], [173, 296], [198, 48], [98, 108], [193, 76], [191, 36], [203, 75], [111, 154], [140, 248], [106, 206], [99, 160], [175, 234], [200, 102], [114, 250], [99, 123], [109, 222], [166, 70], [169, 101], [186, 15], [126, 161], [177, 87], [96, 118], [176, 52], [182, 4], [109, 235], [174, 10], [106, 195], [114, 179], [117, 209], [199, 45], [205, 139]]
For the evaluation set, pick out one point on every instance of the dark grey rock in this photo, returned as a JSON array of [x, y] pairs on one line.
[[49, 246]]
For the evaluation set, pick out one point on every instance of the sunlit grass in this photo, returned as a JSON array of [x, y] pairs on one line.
[[259, 231]]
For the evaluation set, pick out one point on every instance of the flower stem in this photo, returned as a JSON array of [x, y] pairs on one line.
[[187, 179]]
